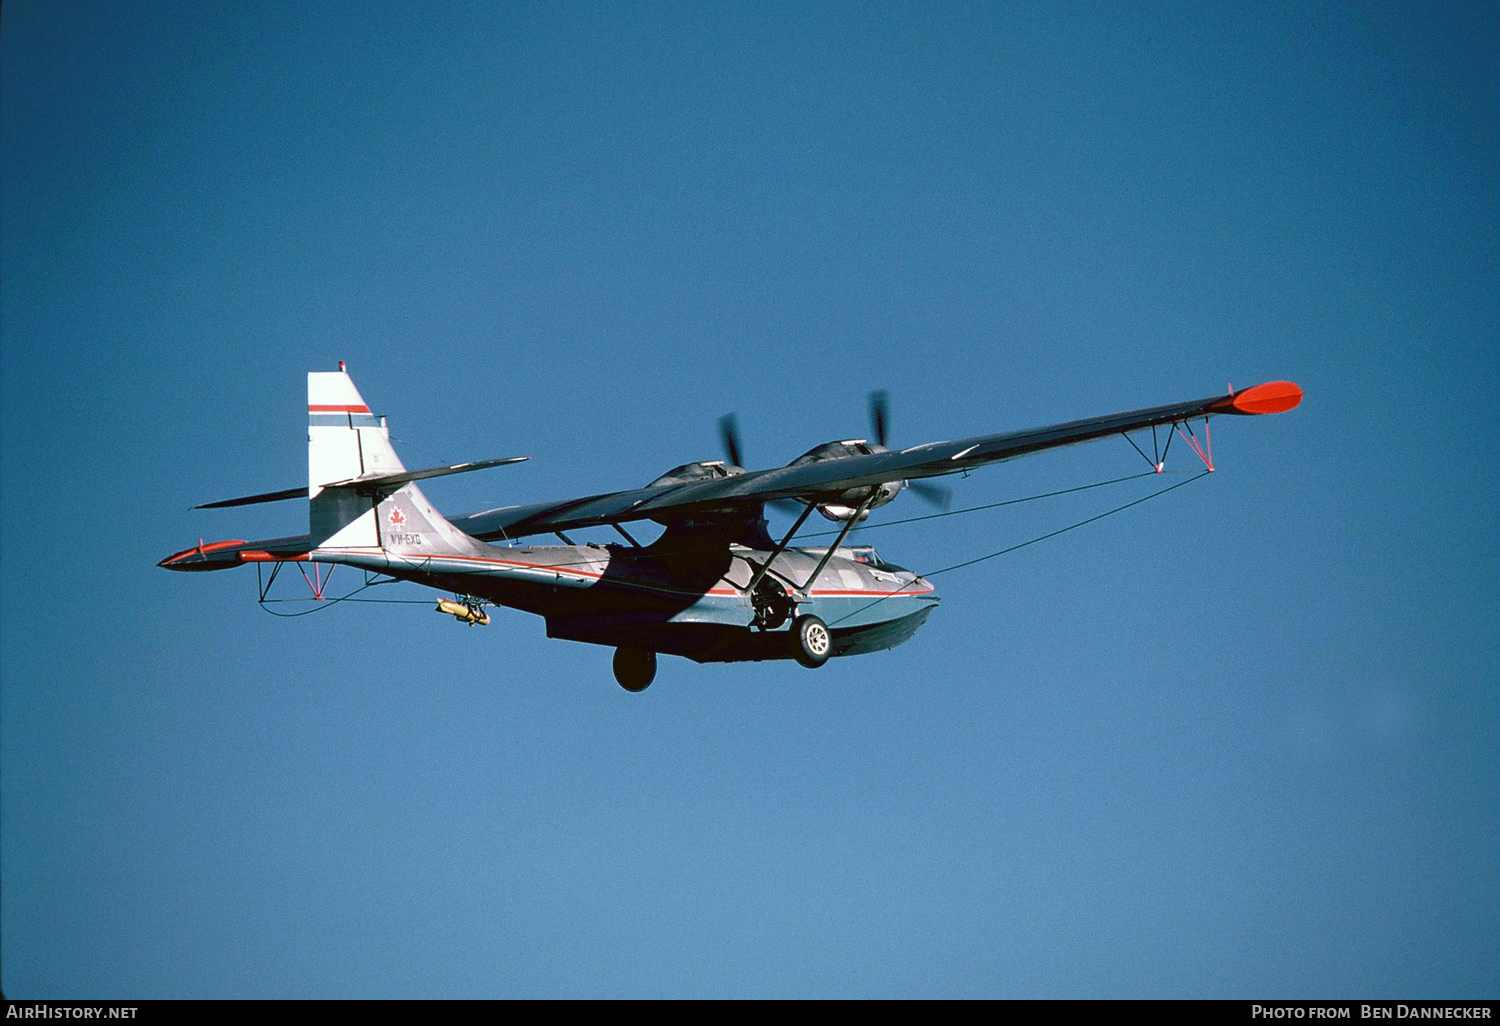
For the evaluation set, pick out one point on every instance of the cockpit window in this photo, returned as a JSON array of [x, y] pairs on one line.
[[867, 555]]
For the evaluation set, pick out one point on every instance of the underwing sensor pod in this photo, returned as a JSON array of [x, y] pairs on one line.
[[714, 587], [470, 613]]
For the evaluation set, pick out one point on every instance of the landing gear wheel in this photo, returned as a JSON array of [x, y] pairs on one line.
[[635, 668], [812, 642]]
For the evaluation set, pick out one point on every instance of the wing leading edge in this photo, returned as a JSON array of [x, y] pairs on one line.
[[834, 476]]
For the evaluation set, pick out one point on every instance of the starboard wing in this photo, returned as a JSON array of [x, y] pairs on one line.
[[833, 476]]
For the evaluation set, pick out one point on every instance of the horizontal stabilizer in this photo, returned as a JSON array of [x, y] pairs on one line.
[[369, 482], [382, 482]]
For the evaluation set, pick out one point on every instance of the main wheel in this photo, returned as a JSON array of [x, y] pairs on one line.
[[812, 642], [635, 668]]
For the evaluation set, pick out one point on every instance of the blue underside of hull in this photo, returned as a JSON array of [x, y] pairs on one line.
[[726, 643]]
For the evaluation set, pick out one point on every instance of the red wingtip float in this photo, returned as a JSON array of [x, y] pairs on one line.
[[1272, 397]]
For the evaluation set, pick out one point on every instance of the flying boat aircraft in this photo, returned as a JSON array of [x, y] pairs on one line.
[[714, 587]]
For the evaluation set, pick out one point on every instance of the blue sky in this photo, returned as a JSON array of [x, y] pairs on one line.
[[1240, 741]]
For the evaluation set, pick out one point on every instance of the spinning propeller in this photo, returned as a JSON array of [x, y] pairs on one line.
[[729, 436], [935, 495]]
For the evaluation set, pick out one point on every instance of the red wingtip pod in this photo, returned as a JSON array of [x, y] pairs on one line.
[[199, 558], [1272, 397]]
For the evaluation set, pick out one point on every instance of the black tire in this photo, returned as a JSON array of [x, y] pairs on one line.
[[812, 641], [635, 668]]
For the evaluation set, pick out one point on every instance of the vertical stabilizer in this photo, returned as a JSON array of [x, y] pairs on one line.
[[344, 440]]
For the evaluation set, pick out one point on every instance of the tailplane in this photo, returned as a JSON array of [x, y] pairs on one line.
[[359, 493]]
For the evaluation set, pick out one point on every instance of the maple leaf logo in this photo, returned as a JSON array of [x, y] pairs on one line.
[[396, 517]]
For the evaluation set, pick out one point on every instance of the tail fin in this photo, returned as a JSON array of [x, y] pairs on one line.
[[344, 440], [360, 495]]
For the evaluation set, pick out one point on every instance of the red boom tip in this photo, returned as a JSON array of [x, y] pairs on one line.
[[1272, 397]]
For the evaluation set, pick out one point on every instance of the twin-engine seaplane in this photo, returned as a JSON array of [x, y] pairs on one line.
[[714, 587]]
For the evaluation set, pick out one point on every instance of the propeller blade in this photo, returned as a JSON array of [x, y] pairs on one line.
[[729, 435], [879, 410], [933, 495]]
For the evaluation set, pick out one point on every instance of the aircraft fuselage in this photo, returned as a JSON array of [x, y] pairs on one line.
[[682, 601]]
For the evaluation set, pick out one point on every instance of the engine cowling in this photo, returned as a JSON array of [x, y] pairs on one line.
[[842, 507], [734, 523], [705, 470]]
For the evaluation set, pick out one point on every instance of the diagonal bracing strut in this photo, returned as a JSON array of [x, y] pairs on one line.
[[780, 548], [848, 526]]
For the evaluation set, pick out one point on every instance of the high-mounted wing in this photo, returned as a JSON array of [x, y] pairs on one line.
[[833, 477]]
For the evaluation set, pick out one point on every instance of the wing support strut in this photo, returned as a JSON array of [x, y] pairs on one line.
[[317, 582], [262, 585], [780, 548], [1204, 449], [864, 507]]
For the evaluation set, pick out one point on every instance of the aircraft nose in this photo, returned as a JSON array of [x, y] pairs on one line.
[[923, 587]]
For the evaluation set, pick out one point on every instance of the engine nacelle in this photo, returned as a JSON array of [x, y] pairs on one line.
[[841, 511], [734, 523], [843, 506]]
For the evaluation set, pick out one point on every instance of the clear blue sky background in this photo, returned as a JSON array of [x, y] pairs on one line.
[[1240, 741]]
